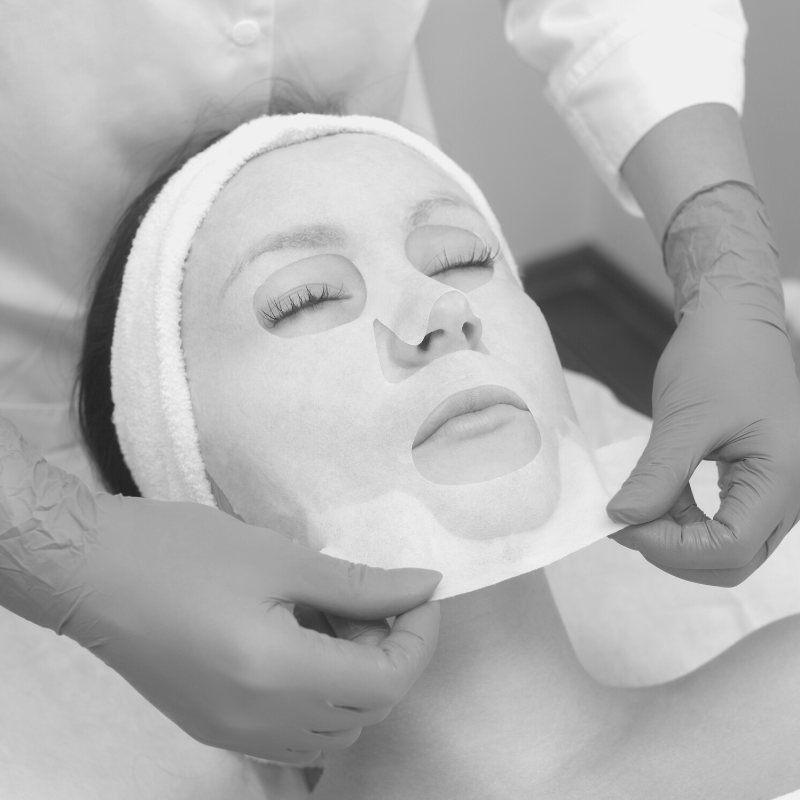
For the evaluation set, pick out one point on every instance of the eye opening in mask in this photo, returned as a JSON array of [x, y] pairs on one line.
[[454, 255], [309, 296], [299, 300], [483, 258]]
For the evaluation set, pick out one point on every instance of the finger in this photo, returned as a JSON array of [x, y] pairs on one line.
[[287, 746], [696, 545], [726, 578], [313, 620], [357, 591], [685, 510], [304, 750], [307, 746], [298, 758], [362, 631], [333, 740], [754, 505], [326, 717], [656, 482], [723, 467], [364, 678], [752, 511], [777, 537], [670, 547], [291, 744]]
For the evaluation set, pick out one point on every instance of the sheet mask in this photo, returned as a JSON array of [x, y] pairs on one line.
[[336, 446], [331, 464]]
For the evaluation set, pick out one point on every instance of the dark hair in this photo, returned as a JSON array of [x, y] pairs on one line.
[[93, 385]]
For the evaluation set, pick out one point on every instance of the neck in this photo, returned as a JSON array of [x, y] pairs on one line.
[[503, 708]]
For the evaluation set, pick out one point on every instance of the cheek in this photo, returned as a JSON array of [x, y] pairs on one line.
[[228, 426], [515, 326], [241, 435], [274, 411], [515, 331]]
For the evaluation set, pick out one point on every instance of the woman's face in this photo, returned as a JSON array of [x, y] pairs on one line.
[[344, 304]]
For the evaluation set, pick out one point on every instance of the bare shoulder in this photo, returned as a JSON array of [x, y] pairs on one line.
[[760, 673], [740, 712]]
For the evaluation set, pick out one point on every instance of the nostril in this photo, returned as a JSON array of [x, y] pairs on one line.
[[468, 329], [425, 343]]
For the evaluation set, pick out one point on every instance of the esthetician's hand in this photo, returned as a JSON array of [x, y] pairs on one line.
[[193, 609], [725, 389]]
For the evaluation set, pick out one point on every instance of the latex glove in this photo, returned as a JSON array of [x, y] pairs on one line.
[[194, 609], [725, 389]]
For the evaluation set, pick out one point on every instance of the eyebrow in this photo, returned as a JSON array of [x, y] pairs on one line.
[[308, 237], [302, 237], [421, 212]]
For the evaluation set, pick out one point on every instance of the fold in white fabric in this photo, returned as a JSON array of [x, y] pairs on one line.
[[617, 69]]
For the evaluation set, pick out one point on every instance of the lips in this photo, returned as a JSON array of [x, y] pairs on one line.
[[466, 402]]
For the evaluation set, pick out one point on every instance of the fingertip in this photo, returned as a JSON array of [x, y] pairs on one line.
[[377, 676], [657, 480], [621, 509], [642, 500], [418, 580], [409, 587], [368, 632], [626, 537], [424, 618], [422, 623], [403, 589], [359, 591]]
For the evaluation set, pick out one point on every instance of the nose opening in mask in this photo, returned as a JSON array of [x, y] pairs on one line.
[[451, 327], [470, 332]]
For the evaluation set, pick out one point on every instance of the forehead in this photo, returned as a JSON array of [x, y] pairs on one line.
[[332, 176]]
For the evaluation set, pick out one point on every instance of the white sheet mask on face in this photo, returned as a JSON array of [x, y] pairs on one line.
[[352, 475], [332, 461]]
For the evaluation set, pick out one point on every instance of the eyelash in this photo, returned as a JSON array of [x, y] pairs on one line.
[[478, 259], [279, 310]]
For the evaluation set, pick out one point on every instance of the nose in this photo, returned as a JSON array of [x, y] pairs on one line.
[[452, 326]]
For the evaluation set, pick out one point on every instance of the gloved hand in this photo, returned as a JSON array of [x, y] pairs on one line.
[[725, 389], [194, 609]]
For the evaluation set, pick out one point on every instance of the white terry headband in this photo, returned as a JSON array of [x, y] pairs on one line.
[[153, 411]]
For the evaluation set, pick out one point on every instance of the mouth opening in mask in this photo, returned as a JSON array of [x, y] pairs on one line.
[[475, 435]]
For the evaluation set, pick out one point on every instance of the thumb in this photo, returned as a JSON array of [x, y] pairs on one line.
[[657, 480], [362, 631], [357, 591]]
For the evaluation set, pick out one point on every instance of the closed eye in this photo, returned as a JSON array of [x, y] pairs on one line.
[[302, 299], [482, 257]]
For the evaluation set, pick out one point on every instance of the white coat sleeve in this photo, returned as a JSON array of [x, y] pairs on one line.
[[616, 68]]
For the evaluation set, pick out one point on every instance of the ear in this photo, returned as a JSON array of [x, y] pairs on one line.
[[223, 504]]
